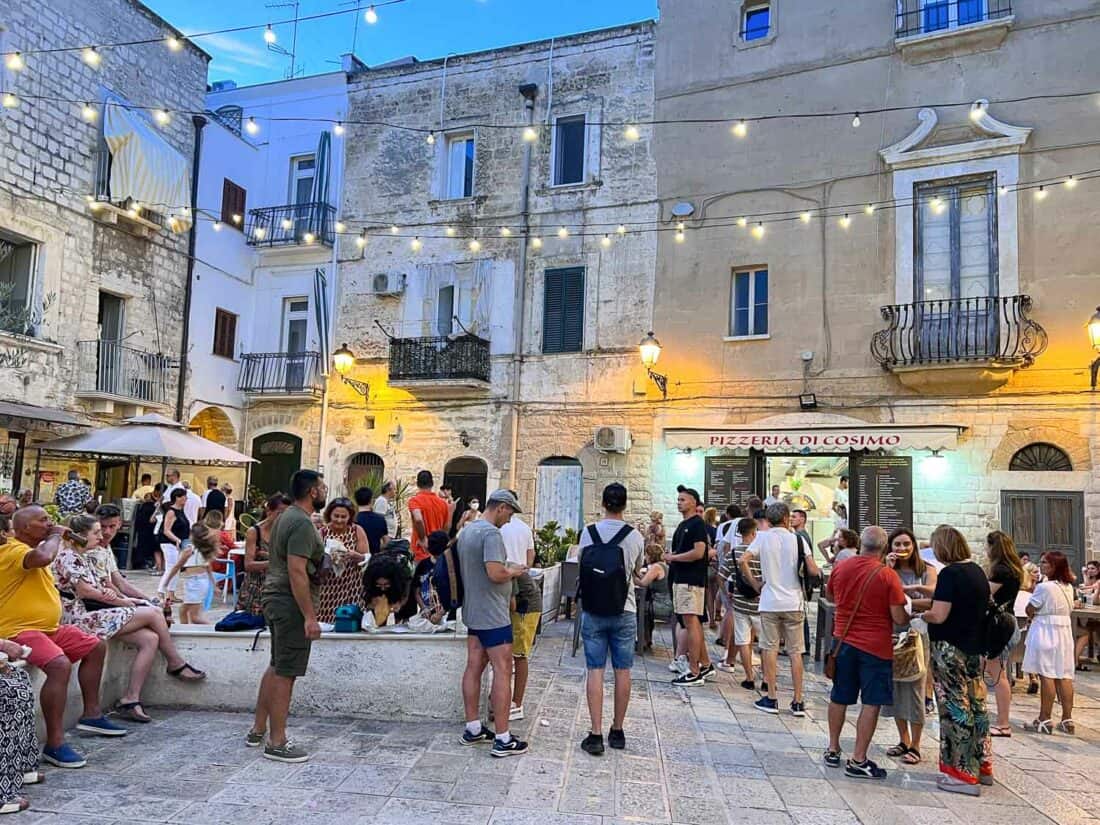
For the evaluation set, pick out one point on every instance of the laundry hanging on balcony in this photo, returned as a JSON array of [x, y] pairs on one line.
[[144, 167]]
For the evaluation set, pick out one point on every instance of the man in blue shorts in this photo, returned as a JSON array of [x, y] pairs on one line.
[[486, 611]]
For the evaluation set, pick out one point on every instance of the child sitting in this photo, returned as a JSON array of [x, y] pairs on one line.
[[427, 600]]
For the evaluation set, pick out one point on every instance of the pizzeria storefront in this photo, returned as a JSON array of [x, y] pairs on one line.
[[842, 475]]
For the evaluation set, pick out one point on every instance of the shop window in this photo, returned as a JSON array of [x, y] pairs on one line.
[[459, 180], [1042, 457], [225, 333], [749, 303], [233, 204], [756, 23], [563, 310], [18, 263], [569, 147]]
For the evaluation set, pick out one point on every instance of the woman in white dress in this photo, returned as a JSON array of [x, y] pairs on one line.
[[1048, 650]]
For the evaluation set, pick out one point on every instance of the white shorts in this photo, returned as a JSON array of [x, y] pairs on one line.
[[743, 626], [195, 589]]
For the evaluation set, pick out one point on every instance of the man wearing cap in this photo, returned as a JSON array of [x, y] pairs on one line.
[[487, 581]]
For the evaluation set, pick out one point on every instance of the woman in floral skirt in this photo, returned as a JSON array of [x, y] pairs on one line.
[[343, 582], [255, 556]]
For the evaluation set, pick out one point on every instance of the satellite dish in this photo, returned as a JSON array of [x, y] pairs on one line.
[[683, 209]]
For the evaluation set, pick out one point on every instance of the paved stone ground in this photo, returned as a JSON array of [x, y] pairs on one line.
[[703, 756]]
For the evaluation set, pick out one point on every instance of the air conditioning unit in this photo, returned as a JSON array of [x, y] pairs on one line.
[[612, 439], [388, 283]]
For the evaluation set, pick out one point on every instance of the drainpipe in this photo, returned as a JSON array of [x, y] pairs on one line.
[[188, 286], [530, 92]]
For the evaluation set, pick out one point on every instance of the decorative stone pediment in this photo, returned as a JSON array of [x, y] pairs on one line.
[[930, 143]]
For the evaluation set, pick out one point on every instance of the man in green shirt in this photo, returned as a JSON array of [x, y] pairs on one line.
[[294, 562]]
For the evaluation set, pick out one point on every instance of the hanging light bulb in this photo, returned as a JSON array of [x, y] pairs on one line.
[[92, 57], [740, 129], [1071, 182], [845, 222], [475, 244], [680, 236], [680, 226], [9, 100], [1041, 193], [370, 15], [742, 222], [450, 230], [270, 38], [308, 238], [631, 133], [174, 43], [976, 111], [393, 229], [758, 230], [415, 244], [361, 241], [563, 232], [431, 138], [162, 117], [530, 134], [340, 226], [605, 241], [621, 229], [15, 62], [536, 242], [505, 232], [88, 112], [236, 218], [937, 205], [1002, 190], [856, 121], [338, 128], [805, 217], [869, 209], [258, 233], [217, 226], [252, 127], [287, 224]]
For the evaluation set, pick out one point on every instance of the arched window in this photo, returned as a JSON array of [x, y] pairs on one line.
[[467, 477], [1040, 456], [365, 470]]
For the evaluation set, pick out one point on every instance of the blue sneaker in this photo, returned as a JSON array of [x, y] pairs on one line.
[[101, 726], [767, 705], [484, 737], [63, 756]]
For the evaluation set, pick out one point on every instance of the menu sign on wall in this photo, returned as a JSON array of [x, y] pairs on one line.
[[884, 491], [727, 480]]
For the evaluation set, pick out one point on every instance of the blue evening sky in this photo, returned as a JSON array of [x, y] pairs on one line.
[[424, 28]]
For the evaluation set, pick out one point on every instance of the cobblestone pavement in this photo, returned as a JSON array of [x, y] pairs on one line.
[[702, 756]]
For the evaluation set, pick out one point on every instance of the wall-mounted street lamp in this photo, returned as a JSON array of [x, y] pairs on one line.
[[1094, 339], [650, 350], [344, 359]]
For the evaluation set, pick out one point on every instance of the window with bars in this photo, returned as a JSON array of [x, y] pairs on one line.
[[563, 310], [1042, 457], [749, 303], [233, 204], [225, 333]]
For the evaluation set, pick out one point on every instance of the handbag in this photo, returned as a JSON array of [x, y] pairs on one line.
[[830, 657], [908, 656]]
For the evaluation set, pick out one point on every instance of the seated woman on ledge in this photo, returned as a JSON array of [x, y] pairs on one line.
[[18, 742], [250, 597], [386, 587], [104, 612]]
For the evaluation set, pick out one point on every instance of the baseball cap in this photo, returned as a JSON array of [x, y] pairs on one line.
[[504, 497]]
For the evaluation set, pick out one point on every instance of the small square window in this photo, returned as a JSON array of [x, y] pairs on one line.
[[757, 23], [569, 146], [225, 333], [749, 303], [459, 180]]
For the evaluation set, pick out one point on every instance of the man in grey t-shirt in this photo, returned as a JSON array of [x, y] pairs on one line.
[[486, 602]]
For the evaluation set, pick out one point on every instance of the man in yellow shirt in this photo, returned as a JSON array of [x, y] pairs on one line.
[[30, 615]]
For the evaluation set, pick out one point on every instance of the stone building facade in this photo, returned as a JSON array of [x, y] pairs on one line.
[[495, 325], [914, 275], [93, 294]]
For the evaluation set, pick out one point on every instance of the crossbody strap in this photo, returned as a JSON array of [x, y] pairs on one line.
[[859, 600]]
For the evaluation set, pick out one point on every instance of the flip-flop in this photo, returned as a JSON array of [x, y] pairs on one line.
[[911, 756], [996, 730], [178, 673], [900, 749], [133, 711]]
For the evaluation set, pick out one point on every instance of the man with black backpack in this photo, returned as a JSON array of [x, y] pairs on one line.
[[610, 559]]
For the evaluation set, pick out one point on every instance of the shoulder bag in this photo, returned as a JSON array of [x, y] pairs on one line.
[[830, 657]]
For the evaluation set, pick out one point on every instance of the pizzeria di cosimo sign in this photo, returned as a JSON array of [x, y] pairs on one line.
[[823, 439]]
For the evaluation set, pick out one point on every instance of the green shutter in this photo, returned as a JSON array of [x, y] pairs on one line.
[[563, 310]]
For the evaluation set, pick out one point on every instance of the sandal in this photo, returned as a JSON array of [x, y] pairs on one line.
[[178, 673], [1038, 726], [133, 711], [15, 806], [911, 756], [1067, 726], [997, 730], [900, 749]]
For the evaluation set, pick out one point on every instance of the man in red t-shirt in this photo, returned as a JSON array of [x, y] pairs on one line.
[[429, 512], [869, 602]]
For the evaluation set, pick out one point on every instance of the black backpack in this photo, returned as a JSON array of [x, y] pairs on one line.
[[602, 584], [447, 580]]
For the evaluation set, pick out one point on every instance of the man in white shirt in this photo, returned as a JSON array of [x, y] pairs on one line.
[[519, 542], [172, 479], [193, 503], [774, 497], [383, 505], [782, 604]]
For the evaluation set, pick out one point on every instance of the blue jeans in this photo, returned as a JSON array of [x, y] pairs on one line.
[[616, 633]]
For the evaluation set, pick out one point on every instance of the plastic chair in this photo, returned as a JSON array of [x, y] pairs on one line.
[[229, 577]]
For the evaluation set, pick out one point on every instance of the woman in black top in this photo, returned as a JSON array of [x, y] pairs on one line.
[[956, 628], [175, 532], [1006, 578]]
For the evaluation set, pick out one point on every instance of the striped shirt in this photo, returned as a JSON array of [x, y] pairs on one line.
[[740, 603]]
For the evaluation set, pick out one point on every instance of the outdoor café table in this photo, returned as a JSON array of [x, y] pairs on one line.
[[1081, 617]]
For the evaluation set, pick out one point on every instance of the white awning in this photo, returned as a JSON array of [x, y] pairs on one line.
[[818, 439], [144, 166]]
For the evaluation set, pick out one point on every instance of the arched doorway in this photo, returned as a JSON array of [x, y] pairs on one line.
[[467, 477], [364, 470], [559, 492], [279, 456], [212, 423]]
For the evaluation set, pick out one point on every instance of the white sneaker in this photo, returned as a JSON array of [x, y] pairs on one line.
[[515, 714], [679, 665]]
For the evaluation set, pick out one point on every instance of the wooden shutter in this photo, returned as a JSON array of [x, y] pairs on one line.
[[1041, 521], [563, 310], [225, 333], [233, 203]]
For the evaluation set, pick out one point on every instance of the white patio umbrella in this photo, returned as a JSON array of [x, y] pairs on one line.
[[149, 436]]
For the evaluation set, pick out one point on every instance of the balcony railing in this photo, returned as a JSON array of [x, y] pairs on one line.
[[280, 373], [110, 368], [928, 16], [292, 224], [103, 162], [994, 330], [439, 358]]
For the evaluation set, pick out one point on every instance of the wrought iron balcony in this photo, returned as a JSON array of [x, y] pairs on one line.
[[916, 17], [439, 358], [281, 373], [294, 224], [994, 330], [111, 370]]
